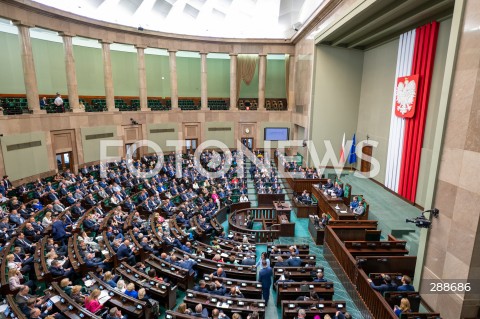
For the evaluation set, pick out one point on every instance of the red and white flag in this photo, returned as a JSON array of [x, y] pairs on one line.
[[342, 151]]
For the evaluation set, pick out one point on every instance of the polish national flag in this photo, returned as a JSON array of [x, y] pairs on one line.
[[342, 151]]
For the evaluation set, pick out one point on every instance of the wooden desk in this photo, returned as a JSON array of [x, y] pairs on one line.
[[129, 305], [69, 308], [250, 289], [317, 232], [293, 290], [287, 228], [303, 210], [268, 199], [235, 304], [303, 249], [161, 291], [282, 208], [175, 274], [290, 308], [304, 274]]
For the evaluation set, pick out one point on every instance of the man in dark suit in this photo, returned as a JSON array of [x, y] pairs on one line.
[[249, 261], [58, 271], [329, 184], [90, 224], [319, 277], [201, 287], [52, 195], [59, 230], [77, 210], [294, 261], [280, 262], [92, 263], [25, 244], [15, 218], [265, 278], [219, 273], [29, 231], [124, 251], [387, 284], [406, 284]]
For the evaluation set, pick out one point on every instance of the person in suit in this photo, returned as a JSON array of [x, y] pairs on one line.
[[93, 263], [57, 270], [24, 243], [23, 296], [265, 278], [59, 230], [219, 273], [329, 184], [90, 224], [339, 191], [294, 261], [200, 312], [248, 261], [57, 207], [280, 262], [320, 277], [124, 251], [360, 209], [146, 246], [201, 287], [29, 231], [387, 284], [406, 284], [15, 218]]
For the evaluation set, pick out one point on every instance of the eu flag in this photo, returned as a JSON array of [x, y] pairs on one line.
[[352, 157]]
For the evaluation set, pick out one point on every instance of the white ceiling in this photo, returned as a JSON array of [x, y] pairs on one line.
[[272, 19]]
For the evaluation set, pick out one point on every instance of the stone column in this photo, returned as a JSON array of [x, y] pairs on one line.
[[28, 64], [262, 74], [142, 77], [233, 80], [291, 83], [204, 80], [173, 79], [107, 76], [71, 72]]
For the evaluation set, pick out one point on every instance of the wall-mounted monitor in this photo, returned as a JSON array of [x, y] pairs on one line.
[[276, 134]]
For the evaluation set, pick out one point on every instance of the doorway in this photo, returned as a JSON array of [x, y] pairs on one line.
[[64, 161], [248, 142], [191, 144], [129, 148]]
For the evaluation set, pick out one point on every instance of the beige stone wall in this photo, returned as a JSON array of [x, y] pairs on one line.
[[453, 246]]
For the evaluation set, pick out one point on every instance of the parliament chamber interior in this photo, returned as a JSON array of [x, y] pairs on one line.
[[239, 159]]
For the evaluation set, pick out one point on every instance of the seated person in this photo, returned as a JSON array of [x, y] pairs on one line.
[[57, 270], [387, 284], [201, 287], [219, 273], [403, 308], [115, 313], [339, 191], [235, 293], [360, 209], [131, 290], [354, 202], [406, 284], [319, 277], [329, 184], [91, 302], [200, 312]]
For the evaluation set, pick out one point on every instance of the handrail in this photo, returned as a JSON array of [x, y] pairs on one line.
[[261, 235]]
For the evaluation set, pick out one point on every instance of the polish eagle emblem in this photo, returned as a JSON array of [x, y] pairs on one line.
[[406, 95]]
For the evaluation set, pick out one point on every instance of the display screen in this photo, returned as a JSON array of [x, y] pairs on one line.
[[276, 134]]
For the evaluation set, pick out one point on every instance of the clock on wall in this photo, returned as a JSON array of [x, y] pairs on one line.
[[247, 130]]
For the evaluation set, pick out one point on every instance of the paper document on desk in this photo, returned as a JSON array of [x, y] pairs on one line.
[[222, 304], [55, 299], [343, 211], [104, 297], [88, 283]]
